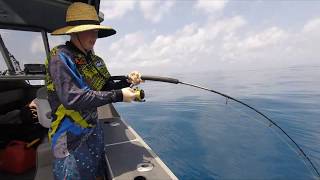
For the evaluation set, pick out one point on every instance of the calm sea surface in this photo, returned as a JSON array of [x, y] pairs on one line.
[[200, 135]]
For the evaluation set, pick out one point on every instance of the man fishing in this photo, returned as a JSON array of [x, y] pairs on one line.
[[78, 83]]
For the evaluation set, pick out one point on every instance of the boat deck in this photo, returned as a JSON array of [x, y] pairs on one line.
[[127, 155]]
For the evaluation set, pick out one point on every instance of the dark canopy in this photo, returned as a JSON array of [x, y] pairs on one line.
[[36, 15]]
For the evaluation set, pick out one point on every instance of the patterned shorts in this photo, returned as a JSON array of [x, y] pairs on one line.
[[86, 162]]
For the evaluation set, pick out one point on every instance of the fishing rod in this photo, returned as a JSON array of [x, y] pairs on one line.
[[176, 81]]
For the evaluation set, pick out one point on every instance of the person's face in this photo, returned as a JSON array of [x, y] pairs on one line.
[[88, 38]]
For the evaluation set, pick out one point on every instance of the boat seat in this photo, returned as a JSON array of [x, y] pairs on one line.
[[43, 107], [44, 154]]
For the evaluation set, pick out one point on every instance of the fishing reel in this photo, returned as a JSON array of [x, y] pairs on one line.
[[139, 94]]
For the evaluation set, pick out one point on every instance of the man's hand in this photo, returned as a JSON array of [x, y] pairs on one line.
[[135, 78], [128, 94]]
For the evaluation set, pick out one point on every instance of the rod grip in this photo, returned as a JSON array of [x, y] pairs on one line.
[[118, 78], [161, 79], [149, 78]]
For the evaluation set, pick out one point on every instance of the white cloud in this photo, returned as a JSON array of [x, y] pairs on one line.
[[186, 46], [210, 6], [5, 32], [306, 43], [152, 10], [276, 47], [113, 9], [130, 43], [268, 37], [37, 44], [124, 53], [227, 43], [155, 10], [255, 47], [312, 25], [57, 40]]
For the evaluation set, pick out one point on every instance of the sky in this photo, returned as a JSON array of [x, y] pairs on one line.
[[185, 36]]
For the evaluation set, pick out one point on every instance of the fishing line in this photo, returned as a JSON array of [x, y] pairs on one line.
[[278, 134], [272, 123]]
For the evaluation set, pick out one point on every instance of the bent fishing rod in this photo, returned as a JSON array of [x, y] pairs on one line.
[[176, 81]]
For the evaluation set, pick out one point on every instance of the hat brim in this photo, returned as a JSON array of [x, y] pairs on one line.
[[104, 31]]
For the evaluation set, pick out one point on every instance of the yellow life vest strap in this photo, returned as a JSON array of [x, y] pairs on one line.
[[74, 115]]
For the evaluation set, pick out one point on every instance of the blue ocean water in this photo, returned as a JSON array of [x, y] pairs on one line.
[[201, 135]]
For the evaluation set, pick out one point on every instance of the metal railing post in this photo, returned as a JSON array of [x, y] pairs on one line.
[[6, 57]]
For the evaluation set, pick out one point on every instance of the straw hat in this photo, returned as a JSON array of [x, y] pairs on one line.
[[83, 17]]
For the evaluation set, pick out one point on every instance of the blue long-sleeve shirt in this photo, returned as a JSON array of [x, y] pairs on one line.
[[80, 83]]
